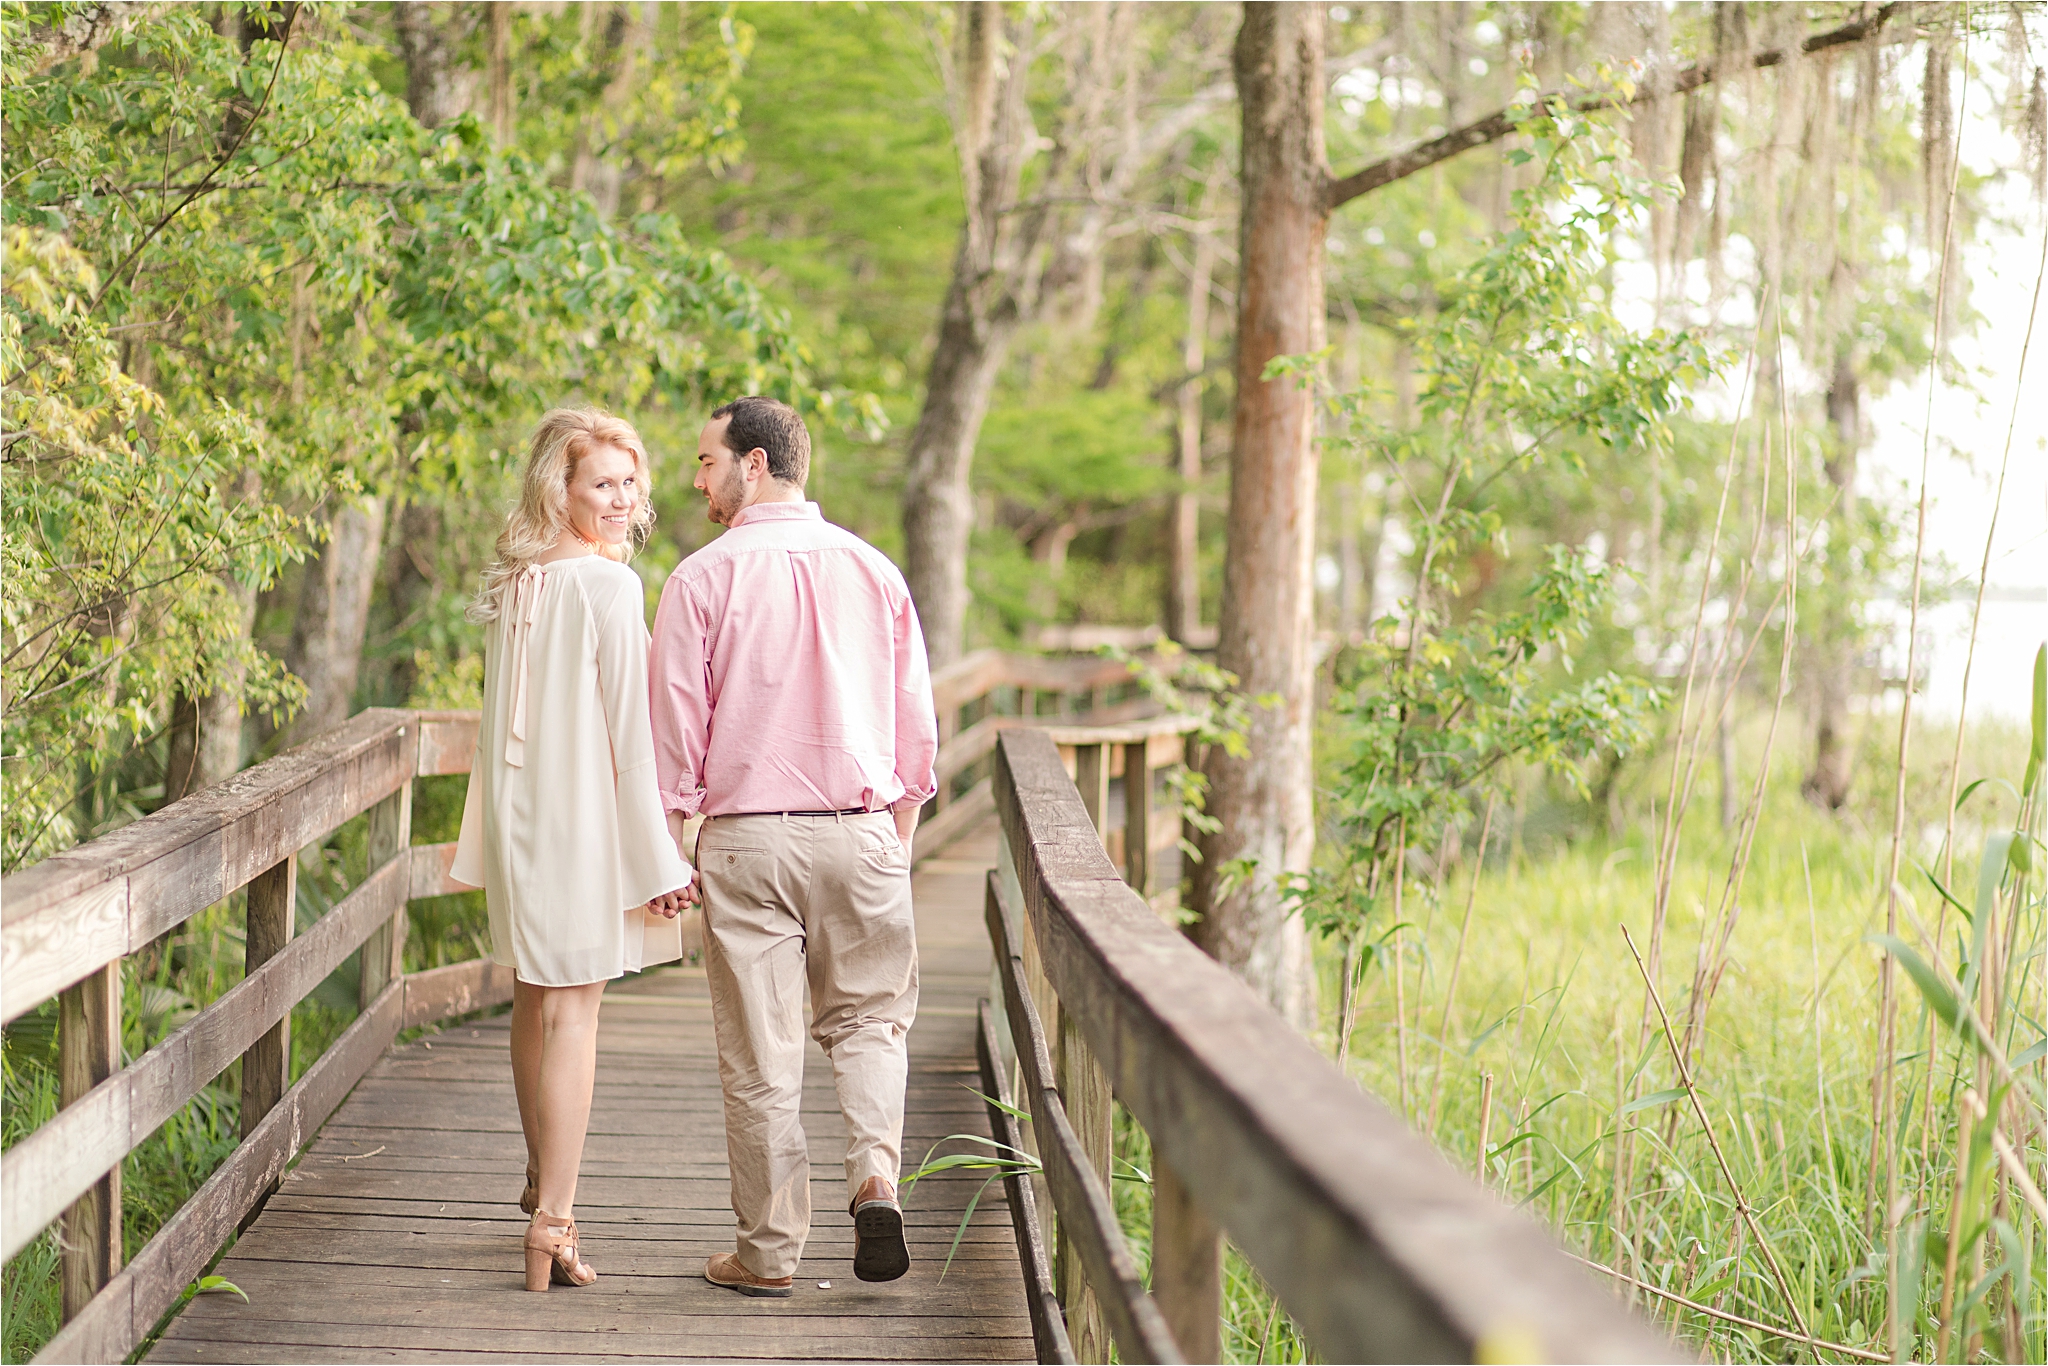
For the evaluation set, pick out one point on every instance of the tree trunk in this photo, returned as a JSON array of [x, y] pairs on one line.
[[1265, 800], [326, 648], [501, 73], [181, 760], [429, 37], [1184, 576], [1827, 783], [975, 330], [938, 502], [1016, 260], [219, 755]]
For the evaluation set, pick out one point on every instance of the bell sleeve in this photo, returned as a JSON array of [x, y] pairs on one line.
[[649, 863]]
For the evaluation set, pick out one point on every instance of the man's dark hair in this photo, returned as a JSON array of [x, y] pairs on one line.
[[774, 427]]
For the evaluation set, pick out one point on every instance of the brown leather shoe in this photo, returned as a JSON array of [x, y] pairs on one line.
[[879, 1252], [725, 1269]]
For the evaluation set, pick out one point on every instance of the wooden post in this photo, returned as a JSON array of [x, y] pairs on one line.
[[1091, 775], [1084, 1091], [1187, 1266], [88, 1052], [1138, 819], [949, 726], [383, 953], [267, 1066]]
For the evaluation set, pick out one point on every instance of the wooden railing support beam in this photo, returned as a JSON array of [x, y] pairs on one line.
[[1187, 1266], [1084, 1091], [383, 960], [88, 1052], [1138, 825], [267, 1066], [1091, 775]]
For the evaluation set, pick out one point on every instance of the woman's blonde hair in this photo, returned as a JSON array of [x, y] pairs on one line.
[[560, 442]]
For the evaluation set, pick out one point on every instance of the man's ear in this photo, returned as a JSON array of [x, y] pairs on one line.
[[760, 470]]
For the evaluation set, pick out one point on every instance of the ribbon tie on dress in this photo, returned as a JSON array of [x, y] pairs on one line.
[[524, 608]]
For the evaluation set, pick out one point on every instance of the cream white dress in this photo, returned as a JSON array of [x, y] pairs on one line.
[[563, 825]]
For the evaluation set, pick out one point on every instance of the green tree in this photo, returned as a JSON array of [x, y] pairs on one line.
[[327, 304]]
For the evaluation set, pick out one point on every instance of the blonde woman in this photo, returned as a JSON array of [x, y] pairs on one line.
[[563, 827]]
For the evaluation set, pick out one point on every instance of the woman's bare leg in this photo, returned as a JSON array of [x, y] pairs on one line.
[[567, 1072], [526, 1047]]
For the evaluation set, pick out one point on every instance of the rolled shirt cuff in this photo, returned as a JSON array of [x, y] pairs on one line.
[[689, 803], [914, 796]]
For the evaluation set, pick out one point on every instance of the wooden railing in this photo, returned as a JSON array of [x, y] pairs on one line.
[[69, 921], [1379, 1249], [1092, 711]]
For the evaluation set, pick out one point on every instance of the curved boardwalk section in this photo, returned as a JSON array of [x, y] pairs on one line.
[[397, 1236]]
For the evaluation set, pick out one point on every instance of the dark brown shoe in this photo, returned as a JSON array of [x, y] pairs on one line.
[[879, 1252], [725, 1269]]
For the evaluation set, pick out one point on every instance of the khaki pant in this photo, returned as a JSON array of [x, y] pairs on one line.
[[790, 900]]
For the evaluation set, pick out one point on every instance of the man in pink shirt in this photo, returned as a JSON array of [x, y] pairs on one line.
[[792, 707]]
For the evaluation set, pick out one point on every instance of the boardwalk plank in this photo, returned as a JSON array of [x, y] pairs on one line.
[[397, 1238]]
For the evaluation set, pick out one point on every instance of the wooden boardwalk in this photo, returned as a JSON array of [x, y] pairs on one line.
[[397, 1236]]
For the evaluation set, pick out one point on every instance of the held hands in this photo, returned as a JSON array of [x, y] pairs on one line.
[[669, 905]]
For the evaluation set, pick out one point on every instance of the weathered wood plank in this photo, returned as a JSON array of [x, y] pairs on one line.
[[1048, 1327], [430, 867], [658, 1336], [1118, 726], [88, 1052], [975, 674], [382, 960], [49, 1168], [447, 742], [78, 910], [1088, 1230], [964, 812], [272, 916], [134, 1300], [1091, 780], [44, 953], [1138, 716], [1138, 817], [1379, 1249], [1187, 1266], [405, 1203], [456, 989]]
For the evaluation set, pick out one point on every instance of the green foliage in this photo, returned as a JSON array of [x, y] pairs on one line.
[[1521, 368], [1189, 685], [243, 284], [120, 524], [652, 96]]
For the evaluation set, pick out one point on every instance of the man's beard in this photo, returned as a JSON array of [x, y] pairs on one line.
[[725, 500]]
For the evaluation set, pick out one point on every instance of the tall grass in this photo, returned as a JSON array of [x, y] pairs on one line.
[[1543, 1054], [1548, 1000]]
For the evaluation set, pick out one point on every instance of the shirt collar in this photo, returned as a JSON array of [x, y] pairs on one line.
[[777, 512]]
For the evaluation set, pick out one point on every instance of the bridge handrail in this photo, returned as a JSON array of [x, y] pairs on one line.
[[1378, 1247], [70, 920]]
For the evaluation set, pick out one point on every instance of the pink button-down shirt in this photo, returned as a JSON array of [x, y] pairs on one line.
[[788, 673]]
